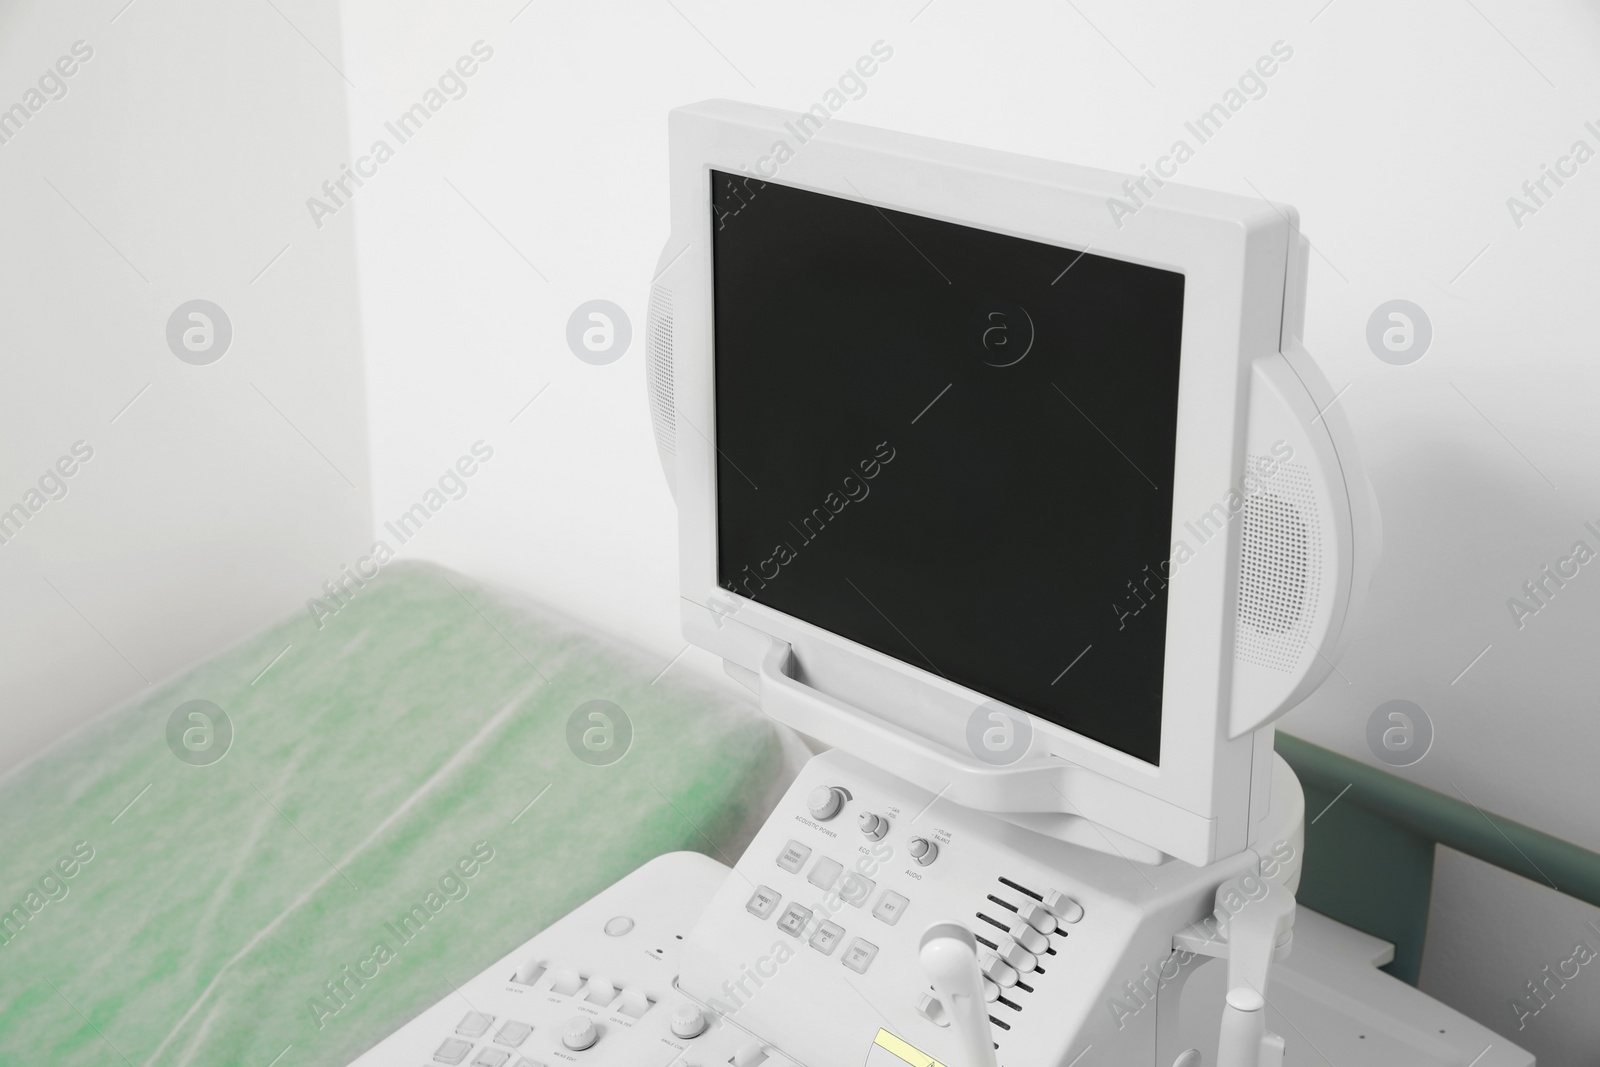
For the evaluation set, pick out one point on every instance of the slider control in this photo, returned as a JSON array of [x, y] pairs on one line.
[[1063, 907]]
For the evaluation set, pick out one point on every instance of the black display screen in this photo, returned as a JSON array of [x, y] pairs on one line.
[[950, 445]]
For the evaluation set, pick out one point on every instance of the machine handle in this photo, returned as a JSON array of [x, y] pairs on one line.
[[1031, 784]]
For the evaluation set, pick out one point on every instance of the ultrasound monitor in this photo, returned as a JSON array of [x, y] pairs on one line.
[[1031, 499]]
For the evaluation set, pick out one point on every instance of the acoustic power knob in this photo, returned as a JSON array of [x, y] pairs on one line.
[[825, 802]]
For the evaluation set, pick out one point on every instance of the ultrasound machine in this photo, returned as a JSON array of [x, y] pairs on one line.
[[1032, 516]]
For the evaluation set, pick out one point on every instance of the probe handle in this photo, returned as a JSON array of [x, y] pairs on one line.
[[1244, 1040], [949, 955]]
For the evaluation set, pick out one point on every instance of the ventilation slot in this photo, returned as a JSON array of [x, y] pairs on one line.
[[1280, 566], [658, 378]]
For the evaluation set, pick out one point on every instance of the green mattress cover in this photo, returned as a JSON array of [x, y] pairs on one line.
[[410, 757]]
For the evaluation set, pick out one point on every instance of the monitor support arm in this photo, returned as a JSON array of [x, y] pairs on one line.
[[1251, 938]]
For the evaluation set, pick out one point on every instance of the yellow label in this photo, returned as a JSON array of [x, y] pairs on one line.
[[902, 1051]]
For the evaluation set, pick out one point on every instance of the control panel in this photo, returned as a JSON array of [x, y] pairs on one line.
[[821, 948], [596, 988], [828, 906]]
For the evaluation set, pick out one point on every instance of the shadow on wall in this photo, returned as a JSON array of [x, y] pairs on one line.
[[187, 325]]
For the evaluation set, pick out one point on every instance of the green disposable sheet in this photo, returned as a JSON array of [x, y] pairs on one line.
[[422, 724]]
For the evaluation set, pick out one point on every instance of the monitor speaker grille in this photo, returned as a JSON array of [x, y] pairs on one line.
[[658, 376], [1280, 565]]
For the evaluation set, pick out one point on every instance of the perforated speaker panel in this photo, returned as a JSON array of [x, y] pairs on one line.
[[1280, 566], [658, 377]]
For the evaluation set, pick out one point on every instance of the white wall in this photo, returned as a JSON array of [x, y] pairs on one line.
[[1398, 131], [1536, 939], [175, 167]]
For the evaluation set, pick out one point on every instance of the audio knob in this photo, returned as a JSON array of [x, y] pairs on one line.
[[579, 1033], [825, 802], [922, 850], [688, 1022], [873, 825]]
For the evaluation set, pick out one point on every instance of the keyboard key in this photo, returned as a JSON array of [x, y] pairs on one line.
[[454, 1050], [794, 920], [859, 956], [856, 888], [890, 907], [492, 1057], [513, 1034], [793, 857], [824, 873], [826, 939], [762, 901], [474, 1024]]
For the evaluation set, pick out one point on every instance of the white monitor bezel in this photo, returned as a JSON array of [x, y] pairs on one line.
[[1233, 253]]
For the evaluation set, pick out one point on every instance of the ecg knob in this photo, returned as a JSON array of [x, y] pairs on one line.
[[922, 850], [825, 802], [873, 825]]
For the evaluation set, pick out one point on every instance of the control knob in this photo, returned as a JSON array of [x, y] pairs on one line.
[[922, 850], [873, 825], [579, 1033], [825, 802], [688, 1022]]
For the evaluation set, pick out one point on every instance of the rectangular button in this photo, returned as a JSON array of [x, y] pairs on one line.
[[454, 1050], [793, 857], [762, 901], [492, 1057], [826, 939], [856, 888], [513, 1034], [474, 1024], [890, 907], [794, 919], [859, 956], [824, 873]]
